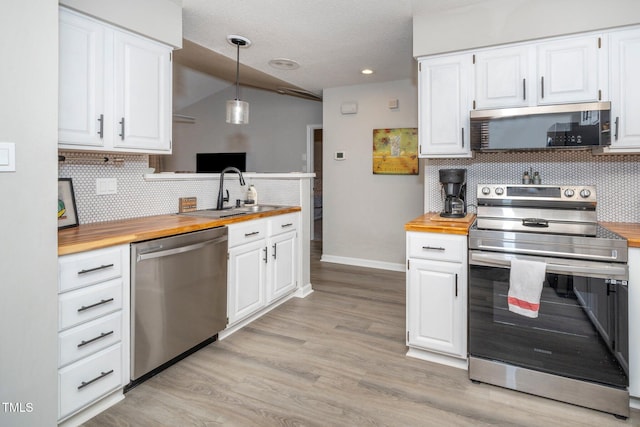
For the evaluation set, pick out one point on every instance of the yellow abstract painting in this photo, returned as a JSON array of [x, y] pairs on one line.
[[395, 151]]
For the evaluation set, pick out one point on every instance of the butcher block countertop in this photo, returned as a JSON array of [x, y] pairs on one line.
[[628, 230], [432, 222], [102, 234]]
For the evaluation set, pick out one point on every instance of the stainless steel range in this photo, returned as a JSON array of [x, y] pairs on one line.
[[571, 342]]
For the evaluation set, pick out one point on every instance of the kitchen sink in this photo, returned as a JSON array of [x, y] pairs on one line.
[[231, 212]]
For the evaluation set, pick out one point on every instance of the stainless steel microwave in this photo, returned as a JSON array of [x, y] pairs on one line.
[[566, 126]]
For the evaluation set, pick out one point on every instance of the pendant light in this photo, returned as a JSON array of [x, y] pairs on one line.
[[238, 111]]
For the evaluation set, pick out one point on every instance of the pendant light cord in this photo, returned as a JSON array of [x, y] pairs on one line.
[[238, 70]]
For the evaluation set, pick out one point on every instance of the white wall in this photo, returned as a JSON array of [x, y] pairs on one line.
[[275, 138], [28, 237], [364, 214], [493, 22], [158, 19]]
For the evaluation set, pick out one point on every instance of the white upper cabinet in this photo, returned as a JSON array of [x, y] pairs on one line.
[[114, 89], [81, 81], [625, 89], [444, 106], [570, 70], [567, 70], [502, 78]]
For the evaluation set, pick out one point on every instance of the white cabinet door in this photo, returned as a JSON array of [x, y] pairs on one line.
[[282, 275], [569, 70], [502, 78], [142, 94], [444, 106], [436, 307], [246, 279], [625, 88], [81, 107]]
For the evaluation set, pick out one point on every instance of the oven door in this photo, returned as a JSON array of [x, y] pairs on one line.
[[580, 331]]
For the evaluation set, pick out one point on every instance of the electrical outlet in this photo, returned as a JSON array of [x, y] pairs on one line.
[[106, 186]]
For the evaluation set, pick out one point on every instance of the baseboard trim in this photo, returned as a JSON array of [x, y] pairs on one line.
[[442, 359], [304, 291], [360, 262]]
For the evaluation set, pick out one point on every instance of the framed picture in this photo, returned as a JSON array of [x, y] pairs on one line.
[[395, 151], [67, 212]]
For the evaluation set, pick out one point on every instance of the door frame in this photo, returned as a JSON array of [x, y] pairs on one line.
[[309, 169]]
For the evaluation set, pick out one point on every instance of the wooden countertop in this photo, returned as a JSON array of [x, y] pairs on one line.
[[97, 235], [432, 222], [628, 230]]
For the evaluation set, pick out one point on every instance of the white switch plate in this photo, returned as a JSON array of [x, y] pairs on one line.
[[7, 156], [106, 186]]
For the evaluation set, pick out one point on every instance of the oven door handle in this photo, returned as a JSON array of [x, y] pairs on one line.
[[584, 268]]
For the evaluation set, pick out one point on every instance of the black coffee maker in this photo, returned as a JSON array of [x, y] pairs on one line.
[[454, 192]]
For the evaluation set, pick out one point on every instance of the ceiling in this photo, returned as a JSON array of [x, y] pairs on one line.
[[331, 40]]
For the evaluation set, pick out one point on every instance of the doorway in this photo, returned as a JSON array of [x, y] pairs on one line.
[[314, 165]]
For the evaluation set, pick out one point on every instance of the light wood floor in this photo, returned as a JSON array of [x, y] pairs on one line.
[[335, 358]]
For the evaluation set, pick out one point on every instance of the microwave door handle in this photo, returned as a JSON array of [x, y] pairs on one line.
[[503, 260]]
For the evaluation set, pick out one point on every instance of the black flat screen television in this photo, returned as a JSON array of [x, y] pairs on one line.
[[216, 162]]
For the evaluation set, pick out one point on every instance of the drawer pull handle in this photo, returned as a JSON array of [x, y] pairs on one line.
[[91, 270], [275, 249], [87, 307], [251, 234], [83, 384], [433, 248], [286, 225], [102, 335]]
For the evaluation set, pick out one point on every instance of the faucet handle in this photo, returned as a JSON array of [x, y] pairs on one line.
[[226, 199]]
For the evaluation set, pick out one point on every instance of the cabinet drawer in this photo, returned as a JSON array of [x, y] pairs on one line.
[[89, 338], [282, 223], [89, 379], [246, 232], [87, 268], [89, 303], [440, 247]]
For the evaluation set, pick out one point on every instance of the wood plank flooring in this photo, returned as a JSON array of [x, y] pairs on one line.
[[335, 358]]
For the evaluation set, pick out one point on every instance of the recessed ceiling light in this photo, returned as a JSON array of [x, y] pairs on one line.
[[284, 64], [367, 71]]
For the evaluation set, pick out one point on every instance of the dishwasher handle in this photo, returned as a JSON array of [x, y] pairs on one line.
[[179, 250]]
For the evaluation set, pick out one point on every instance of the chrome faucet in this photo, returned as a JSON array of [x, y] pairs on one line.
[[221, 198]]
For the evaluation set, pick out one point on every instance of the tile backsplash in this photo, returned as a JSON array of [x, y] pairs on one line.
[[137, 197], [616, 177]]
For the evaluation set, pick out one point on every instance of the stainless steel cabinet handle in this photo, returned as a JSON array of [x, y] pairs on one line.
[[121, 123], [433, 248], [524, 89], [274, 251], [91, 270], [286, 225], [266, 249], [87, 307], [462, 137], [102, 335], [617, 123], [251, 234], [101, 129], [83, 384], [542, 87]]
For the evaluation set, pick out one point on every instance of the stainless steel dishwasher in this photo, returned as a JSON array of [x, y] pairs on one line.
[[178, 298]]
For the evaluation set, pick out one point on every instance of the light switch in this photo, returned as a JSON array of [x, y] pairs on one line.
[[7, 157], [106, 186]]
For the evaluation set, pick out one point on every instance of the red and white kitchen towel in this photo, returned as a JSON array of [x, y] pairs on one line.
[[525, 287]]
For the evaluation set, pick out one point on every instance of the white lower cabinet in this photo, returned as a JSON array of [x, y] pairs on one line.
[[437, 297], [262, 267], [93, 325]]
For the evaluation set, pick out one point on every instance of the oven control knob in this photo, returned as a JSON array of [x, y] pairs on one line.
[[499, 191], [569, 192], [585, 193], [486, 191]]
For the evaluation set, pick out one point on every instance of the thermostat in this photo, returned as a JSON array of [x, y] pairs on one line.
[[340, 155]]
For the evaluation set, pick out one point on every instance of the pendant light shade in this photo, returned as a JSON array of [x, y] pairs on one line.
[[237, 110]]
